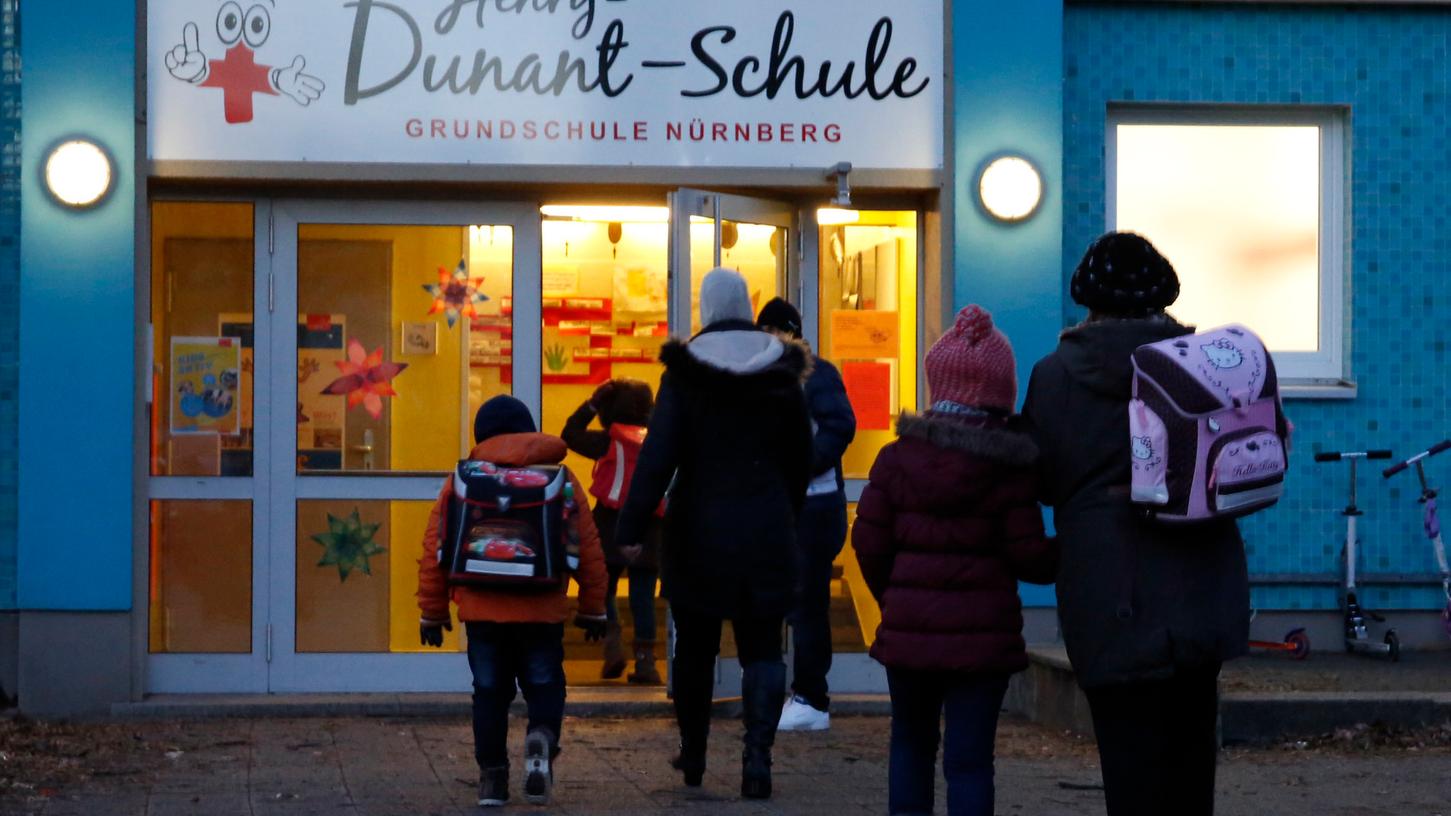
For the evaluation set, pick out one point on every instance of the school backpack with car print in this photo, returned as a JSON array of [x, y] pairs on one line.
[[510, 526], [1208, 437]]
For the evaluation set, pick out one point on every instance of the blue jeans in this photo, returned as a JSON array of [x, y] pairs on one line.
[[972, 703], [820, 535], [503, 656], [642, 600]]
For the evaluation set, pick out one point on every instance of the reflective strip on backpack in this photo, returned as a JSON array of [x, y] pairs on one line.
[[618, 486]]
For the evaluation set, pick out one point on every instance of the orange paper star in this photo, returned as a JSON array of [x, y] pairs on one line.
[[456, 294]]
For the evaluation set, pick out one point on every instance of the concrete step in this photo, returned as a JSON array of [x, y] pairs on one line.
[[1047, 693], [622, 703]]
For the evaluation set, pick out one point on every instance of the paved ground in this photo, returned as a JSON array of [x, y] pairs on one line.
[[1337, 671], [395, 766]]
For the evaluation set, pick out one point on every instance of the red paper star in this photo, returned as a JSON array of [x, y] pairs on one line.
[[456, 293], [366, 379]]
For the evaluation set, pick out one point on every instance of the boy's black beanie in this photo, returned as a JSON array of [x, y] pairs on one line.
[[780, 315], [502, 415]]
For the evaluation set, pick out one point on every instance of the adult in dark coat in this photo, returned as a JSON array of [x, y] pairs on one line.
[[1149, 612], [820, 532], [731, 430]]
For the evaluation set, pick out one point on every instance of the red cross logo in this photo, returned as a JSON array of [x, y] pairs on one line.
[[239, 76]]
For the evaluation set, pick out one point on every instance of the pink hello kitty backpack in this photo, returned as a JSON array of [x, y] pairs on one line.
[[1207, 433]]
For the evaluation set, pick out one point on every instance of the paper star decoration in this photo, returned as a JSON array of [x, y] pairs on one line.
[[456, 294], [348, 544], [366, 379]]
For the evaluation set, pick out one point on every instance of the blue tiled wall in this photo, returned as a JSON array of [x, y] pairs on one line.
[[1390, 66], [9, 285]]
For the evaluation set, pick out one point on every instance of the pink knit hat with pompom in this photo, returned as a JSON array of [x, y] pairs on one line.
[[972, 364]]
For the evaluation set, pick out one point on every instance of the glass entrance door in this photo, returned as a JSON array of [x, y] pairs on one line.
[[768, 242], [399, 318]]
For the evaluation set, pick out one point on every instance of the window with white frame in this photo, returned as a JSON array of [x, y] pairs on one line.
[[1248, 206]]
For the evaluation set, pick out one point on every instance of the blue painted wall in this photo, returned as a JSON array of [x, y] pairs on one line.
[[1007, 94], [77, 327], [9, 286], [1390, 65]]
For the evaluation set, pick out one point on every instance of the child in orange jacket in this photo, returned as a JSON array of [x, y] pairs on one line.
[[513, 637]]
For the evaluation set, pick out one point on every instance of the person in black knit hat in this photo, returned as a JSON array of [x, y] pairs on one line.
[[820, 529], [1149, 612], [1122, 275]]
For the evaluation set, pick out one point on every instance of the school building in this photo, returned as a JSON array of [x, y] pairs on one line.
[[261, 260]]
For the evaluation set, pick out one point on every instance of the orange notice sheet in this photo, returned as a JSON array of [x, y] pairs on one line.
[[869, 387], [864, 335]]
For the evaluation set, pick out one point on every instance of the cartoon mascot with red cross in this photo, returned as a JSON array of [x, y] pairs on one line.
[[238, 74]]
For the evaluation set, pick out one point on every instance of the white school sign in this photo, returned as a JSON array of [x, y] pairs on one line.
[[687, 83]]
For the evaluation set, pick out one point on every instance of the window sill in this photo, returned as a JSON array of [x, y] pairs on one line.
[[1319, 390]]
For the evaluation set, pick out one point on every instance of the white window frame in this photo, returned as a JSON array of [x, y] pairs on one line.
[[1319, 373]]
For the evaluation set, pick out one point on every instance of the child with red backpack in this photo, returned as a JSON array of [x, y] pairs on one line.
[[504, 561], [623, 408]]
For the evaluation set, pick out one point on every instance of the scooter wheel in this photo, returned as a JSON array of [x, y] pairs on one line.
[[1299, 643], [1393, 646]]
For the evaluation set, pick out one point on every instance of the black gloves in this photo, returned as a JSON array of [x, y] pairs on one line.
[[594, 627], [431, 634]]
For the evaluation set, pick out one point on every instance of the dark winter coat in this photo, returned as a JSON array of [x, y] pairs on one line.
[[732, 430], [1137, 600], [833, 417], [945, 529]]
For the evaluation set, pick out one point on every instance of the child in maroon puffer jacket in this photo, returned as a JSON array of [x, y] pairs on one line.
[[945, 530]]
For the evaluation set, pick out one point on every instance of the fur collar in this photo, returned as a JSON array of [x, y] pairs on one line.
[[1000, 444], [793, 365]]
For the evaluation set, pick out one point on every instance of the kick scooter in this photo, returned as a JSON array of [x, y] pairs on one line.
[[1357, 634], [1296, 642], [1432, 521]]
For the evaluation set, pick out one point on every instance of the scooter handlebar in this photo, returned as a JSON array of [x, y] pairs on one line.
[[1341, 455], [1440, 447]]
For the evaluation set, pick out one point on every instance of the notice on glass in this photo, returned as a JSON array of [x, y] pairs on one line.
[[206, 376], [869, 388], [864, 335], [561, 281]]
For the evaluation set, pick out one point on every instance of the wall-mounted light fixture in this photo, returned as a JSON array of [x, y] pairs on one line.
[[1010, 188], [79, 173]]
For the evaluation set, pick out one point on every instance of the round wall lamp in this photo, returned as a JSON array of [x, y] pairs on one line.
[[79, 173], [1010, 188]]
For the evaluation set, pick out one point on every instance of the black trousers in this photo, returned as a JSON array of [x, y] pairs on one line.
[[820, 534], [509, 656], [697, 643], [1158, 745]]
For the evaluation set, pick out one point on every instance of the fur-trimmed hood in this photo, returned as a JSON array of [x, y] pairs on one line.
[[737, 356], [994, 439]]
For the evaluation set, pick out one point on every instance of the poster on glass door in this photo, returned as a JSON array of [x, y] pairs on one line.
[[751, 83], [206, 376]]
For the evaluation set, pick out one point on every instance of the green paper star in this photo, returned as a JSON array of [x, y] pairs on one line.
[[347, 544]]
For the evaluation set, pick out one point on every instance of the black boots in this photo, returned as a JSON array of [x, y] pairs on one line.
[[645, 673], [763, 693], [494, 787], [693, 691], [614, 652]]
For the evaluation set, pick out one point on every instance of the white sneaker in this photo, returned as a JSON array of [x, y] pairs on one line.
[[798, 715]]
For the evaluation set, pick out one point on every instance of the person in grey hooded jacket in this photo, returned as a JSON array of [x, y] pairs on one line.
[[731, 439]]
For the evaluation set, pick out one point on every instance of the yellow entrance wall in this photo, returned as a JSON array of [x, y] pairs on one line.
[[897, 293]]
